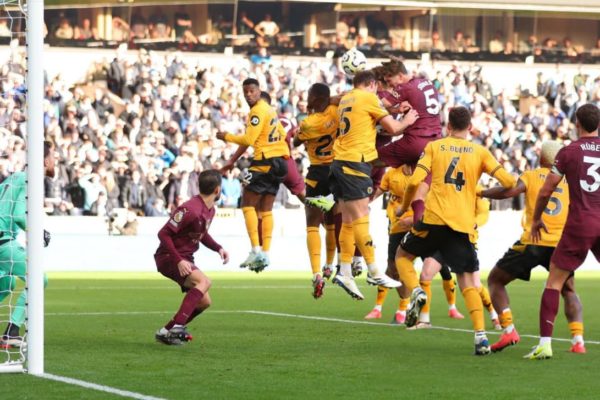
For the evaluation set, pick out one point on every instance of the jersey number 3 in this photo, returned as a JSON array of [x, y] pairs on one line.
[[459, 181], [592, 172]]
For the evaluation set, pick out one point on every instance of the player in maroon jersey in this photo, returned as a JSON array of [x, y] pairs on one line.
[[420, 95], [579, 163], [180, 238]]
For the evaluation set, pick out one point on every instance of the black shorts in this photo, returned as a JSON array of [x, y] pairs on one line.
[[521, 258], [445, 270], [394, 241], [267, 175], [455, 248], [350, 180], [317, 181]]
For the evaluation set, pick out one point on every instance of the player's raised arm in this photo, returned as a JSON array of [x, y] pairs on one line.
[[500, 192], [236, 156], [393, 127], [493, 168]]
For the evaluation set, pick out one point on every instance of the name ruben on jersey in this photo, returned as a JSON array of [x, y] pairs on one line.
[[590, 146]]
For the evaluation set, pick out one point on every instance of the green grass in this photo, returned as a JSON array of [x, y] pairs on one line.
[[251, 356]]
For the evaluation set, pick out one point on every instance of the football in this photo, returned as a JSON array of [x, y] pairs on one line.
[[353, 61]]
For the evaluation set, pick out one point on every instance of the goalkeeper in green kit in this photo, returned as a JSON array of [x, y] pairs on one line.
[[13, 257]]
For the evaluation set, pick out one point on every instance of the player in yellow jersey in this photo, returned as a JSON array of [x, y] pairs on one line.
[[359, 112], [394, 181], [525, 255], [268, 169], [448, 223], [318, 132]]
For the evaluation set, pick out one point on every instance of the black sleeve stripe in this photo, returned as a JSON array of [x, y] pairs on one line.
[[495, 170], [424, 168]]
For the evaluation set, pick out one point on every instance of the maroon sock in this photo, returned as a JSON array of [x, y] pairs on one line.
[[188, 305], [548, 311], [194, 315], [337, 220], [418, 207]]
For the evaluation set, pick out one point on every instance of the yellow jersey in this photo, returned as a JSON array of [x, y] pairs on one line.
[[482, 214], [555, 214], [359, 111], [318, 132], [455, 165], [395, 182], [263, 132]]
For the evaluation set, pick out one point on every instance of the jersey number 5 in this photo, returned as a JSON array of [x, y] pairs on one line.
[[593, 172], [432, 103], [557, 204], [345, 121], [459, 181]]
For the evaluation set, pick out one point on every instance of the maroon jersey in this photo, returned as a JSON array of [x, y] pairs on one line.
[[289, 127], [392, 98], [188, 226], [579, 162], [424, 98]]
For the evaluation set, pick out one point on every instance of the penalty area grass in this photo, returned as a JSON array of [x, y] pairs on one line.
[[266, 337]]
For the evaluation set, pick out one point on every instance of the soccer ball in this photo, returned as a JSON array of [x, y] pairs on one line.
[[353, 61]]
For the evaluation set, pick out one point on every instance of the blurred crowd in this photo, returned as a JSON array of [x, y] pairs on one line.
[[140, 132]]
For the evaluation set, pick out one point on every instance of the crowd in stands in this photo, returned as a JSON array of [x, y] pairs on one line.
[[138, 136]]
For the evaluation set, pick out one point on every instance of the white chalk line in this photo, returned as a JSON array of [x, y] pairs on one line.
[[101, 388], [298, 316], [141, 287]]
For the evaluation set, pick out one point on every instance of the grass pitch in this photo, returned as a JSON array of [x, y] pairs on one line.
[[266, 338]]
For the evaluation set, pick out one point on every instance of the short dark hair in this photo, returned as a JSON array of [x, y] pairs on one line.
[[320, 90], [250, 81], [588, 116], [265, 96], [394, 67], [363, 78], [48, 147], [208, 181], [459, 118]]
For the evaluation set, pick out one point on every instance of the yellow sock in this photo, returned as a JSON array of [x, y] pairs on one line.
[[426, 286], [485, 298], [330, 244], [475, 307], [381, 295], [576, 328], [346, 243], [313, 242], [403, 305], [506, 318], [450, 291], [267, 229], [251, 219], [407, 273], [363, 239]]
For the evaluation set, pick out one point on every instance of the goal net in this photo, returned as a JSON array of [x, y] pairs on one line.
[[21, 184]]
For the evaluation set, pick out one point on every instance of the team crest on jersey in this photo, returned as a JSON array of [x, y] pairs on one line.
[[177, 217], [254, 121], [369, 190]]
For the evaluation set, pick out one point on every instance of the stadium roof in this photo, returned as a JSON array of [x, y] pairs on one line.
[[581, 6]]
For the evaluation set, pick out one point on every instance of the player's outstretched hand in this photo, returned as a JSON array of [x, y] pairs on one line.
[[411, 117], [405, 106], [221, 135], [185, 267], [224, 255], [536, 230]]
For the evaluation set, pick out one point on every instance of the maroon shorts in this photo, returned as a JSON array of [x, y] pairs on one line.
[[168, 267], [406, 150], [293, 180], [377, 176], [573, 249]]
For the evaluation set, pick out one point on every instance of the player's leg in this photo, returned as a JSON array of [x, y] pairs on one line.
[[250, 203], [449, 290], [16, 259], [202, 306], [314, 216], [574, 314], [394, 242], [344, 277], [487, 301], [498, 279], [466, 283], [331, 242], [265, 208], [430, 268]]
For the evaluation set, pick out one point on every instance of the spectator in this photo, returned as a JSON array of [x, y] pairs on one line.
[[436, 43], [231, 189], [496, 45], [596, 50], [267, 31], [64, 30], [568, 48], [134, 192], [139, 26], [457, 44], [120, 29], [183, 23], [4, 28], [92, 188], [159, 28], [86, 32]]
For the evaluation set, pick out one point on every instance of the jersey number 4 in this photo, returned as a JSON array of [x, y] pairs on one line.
[[457, 181], [592, 172]]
